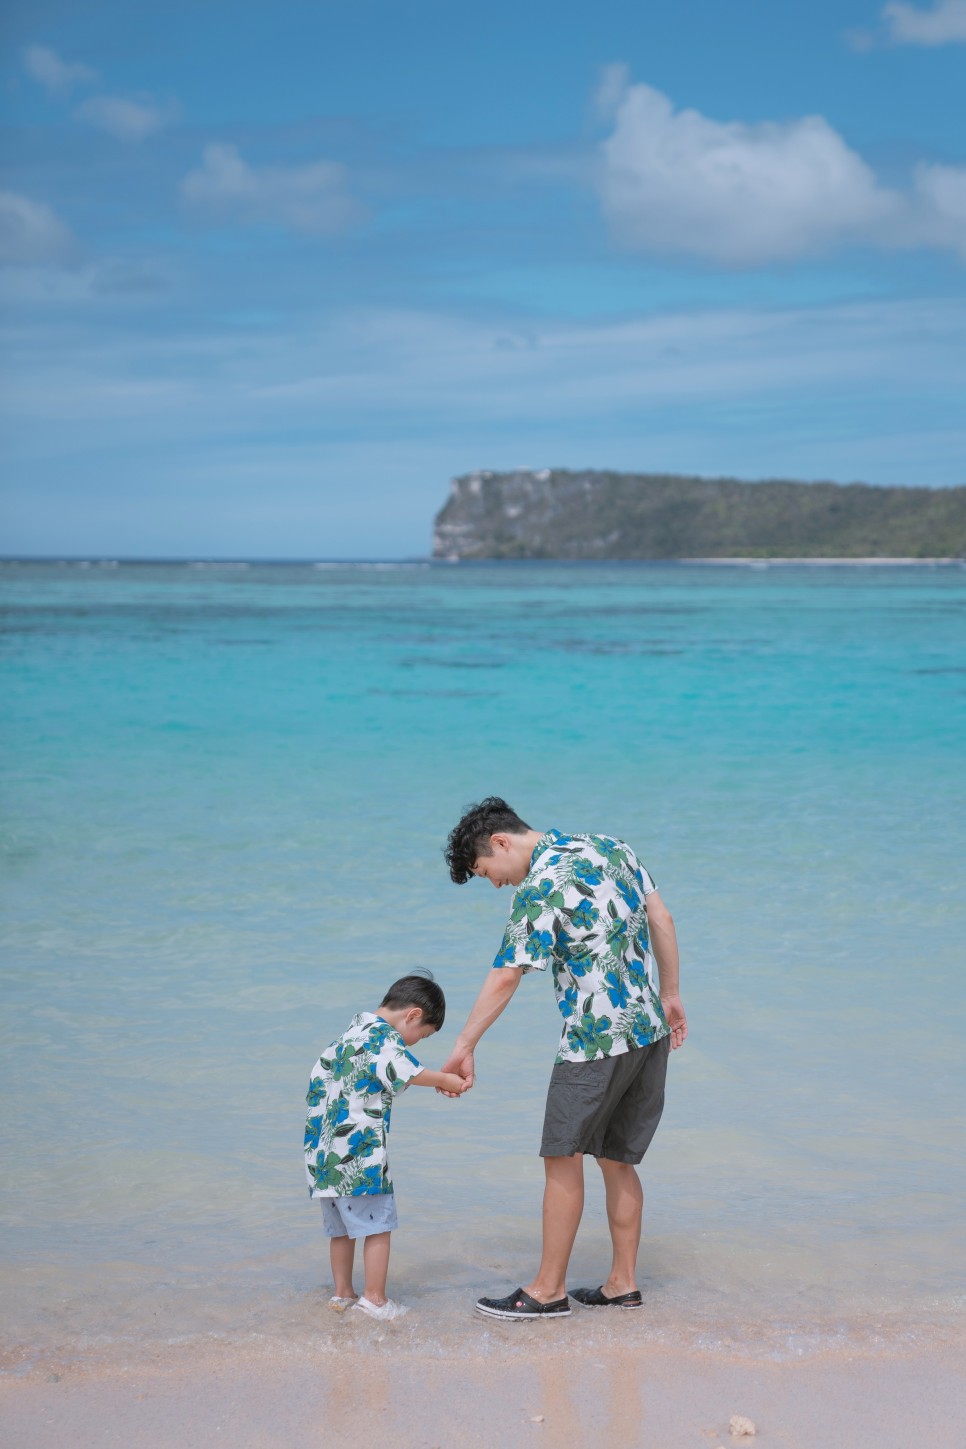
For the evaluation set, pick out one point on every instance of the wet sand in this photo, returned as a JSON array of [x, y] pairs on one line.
[[523, 1395]]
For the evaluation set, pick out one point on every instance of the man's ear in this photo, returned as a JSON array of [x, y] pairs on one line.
[[500, 839]]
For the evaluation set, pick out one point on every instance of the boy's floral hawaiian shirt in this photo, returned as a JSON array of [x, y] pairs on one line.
[[581, 911], [350, 1099]]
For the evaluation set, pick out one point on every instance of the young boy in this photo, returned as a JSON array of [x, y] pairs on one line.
[[350, 1100]]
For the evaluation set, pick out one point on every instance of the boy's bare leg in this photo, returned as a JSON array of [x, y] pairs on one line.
[[341, 1255], [376, 1256], [625, 1206], [563, 1204]]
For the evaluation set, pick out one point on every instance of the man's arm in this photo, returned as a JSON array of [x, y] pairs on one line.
[[664, 948], [499, 986]]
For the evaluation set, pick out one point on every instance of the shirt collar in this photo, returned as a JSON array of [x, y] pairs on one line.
[[549, 839]]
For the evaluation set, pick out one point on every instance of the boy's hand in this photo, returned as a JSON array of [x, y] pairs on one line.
[[453, 1086]]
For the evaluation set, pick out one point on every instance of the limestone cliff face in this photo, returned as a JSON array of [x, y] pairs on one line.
[[554, 513]]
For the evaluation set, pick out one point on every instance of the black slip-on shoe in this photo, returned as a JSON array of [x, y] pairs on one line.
[[521, 1305], [596, 1298]]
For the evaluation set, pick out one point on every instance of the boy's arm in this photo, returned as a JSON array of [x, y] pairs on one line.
[[447, 1082], [499, 986], [664, 948]]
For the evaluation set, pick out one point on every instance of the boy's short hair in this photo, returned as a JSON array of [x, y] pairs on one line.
[[418, 989], [471, 837]]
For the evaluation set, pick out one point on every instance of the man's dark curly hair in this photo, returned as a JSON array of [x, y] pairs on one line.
[[471, 837]]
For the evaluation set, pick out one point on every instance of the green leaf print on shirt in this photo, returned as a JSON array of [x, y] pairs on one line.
[[590, 1035]]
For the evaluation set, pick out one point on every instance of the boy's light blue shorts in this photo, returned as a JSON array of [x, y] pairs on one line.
[[359, 1217]]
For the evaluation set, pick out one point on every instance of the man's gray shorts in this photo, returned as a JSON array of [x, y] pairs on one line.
[[607, 1108], [359, 1217]]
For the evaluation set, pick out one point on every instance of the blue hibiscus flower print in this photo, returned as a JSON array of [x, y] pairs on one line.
[[316, 1092], [618, 991], [539, 945], [636, 974], [585, 916], [590, 1035], [567, 1003], [364, 1143], [586, 871], [313, 1133], [337, 1112], [369, 1084], [505, 955], [642, 1032], [371, 1182]]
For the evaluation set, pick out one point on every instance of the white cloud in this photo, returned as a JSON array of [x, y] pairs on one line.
[[31, 233], [312, 198], [942, 193], [127, 120], [676, 181], [57, 76], [942, 24]]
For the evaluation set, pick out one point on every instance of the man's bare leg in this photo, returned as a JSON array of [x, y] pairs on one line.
[[563, 1204], [625, 1208]]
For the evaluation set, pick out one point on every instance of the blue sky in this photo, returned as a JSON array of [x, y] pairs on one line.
[[271, 275]]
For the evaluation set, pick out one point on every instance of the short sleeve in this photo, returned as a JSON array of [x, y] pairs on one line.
[[395, 1066], [528, 941], [645, 881]]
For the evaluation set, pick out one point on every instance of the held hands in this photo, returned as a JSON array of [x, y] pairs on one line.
[[461, 1067], [676, 1019], [455, 1086]]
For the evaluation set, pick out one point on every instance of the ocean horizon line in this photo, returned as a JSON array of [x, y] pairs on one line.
[[202, 561]]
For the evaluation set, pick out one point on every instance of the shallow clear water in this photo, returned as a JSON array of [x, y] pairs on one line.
[[225, 793]]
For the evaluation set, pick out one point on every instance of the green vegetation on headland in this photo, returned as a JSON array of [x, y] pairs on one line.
[[554, 513]]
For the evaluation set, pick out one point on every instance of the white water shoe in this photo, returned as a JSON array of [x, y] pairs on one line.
[[383, 1311], [339, 1305]]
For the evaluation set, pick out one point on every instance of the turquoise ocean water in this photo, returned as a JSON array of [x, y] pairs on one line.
[[225, 791]]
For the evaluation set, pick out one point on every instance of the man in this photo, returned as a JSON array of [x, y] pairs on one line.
[[585, 906]]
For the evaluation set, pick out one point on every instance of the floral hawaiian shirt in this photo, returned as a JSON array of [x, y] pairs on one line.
[[581, 911], [350, 1100]]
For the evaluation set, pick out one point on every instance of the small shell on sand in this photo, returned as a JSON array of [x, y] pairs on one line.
[[739, 1425], [536, 1419]]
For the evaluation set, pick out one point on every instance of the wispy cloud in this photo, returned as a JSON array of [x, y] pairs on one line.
[[313, 198], [31, 233], [378, 407], [57, 76], [125, 119], [943, 23], [678, 182]]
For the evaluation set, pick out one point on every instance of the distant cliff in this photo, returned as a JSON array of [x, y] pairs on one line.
[[554, 513]]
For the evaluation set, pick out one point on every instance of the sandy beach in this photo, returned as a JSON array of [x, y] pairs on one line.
[[520, 1392]]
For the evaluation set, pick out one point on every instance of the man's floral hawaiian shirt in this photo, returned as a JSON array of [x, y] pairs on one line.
[[580, 910], [350, 1100]]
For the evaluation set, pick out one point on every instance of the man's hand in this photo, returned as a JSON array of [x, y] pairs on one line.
[[676, 1019], [461, 1063]]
